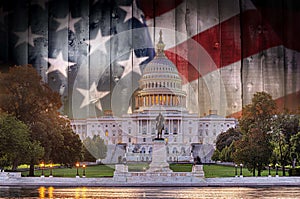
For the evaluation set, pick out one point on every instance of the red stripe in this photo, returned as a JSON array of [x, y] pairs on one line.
[[222, 43], [290, 102], [161, 7]]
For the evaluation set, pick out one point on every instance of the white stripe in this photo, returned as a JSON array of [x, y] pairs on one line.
[[227, 81], [205, 12]]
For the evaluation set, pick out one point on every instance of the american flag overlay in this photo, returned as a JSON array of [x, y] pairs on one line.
[[93, 52]]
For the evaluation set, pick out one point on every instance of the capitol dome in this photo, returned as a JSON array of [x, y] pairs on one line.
[[160, 85]]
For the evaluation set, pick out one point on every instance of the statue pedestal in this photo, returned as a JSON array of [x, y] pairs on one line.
[[159, 157]]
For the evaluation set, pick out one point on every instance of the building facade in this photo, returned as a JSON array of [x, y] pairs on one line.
[[129, 138]]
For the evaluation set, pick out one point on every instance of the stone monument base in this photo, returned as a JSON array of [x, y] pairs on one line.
[[121, 174], [159, 157]]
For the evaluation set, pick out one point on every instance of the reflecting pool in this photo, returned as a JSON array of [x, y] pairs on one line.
[[151, 192]]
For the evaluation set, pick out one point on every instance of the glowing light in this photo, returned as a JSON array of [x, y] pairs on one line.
[[42, 191]]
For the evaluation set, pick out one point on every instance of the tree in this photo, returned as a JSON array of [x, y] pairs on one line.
[[96, 146], [258, 114], [71, 149], [225, 145], [87, 156], [254, 149], [226, 138], [227, 152], [216, 155], [295, 140], [15, 146], [284, 126], [32, 101]]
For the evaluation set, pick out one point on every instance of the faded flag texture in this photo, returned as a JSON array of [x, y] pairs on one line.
[[93, 51]]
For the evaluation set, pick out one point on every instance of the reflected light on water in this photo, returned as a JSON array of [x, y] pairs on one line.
[[43, 192], [50, 192], [151, 192], [171, 192], [80, 192]]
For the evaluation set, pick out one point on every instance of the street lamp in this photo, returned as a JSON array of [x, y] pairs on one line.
[[277, 170], [50, 170], [83, 167], [42, 166], [77, 166], [269, 170], [241, 170], [236, 170]]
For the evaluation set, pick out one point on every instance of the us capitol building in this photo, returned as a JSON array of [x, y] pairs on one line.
[[129, 138]]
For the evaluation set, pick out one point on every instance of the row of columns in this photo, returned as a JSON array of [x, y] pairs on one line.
[[171, 123], [163, 99]]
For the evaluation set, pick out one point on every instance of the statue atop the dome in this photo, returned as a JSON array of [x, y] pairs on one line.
[[159, 126], [160, 46]]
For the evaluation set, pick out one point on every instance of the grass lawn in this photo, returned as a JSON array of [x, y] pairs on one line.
[[90, 171], [211, 171]]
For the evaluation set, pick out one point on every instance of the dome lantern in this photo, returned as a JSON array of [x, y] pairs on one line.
[[160, 46]]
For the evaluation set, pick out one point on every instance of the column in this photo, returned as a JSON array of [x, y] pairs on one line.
[[147, 126], [136, 102], [171, 100], [169, 126]]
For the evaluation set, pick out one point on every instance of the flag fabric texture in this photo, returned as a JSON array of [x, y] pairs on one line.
[[93, 52]]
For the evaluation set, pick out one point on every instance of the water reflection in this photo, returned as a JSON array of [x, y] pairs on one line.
[[151, 192]]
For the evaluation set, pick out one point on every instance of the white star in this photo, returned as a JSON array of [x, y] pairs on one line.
[[41, 3], [67, 22], [136, 13], [132, 64], [98, 43], [2, 15], [59, 64], [26, 36], [92, 96]]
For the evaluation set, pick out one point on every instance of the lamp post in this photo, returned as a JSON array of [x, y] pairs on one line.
[[83, 167], [269, 170], [77, 166], [241, 170], [50, 170], [42, 166], [277, 170], [236, 170]]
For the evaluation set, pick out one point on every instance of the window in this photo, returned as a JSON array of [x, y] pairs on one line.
[[200, 132], [106, 133], [129, 140], [166, 131], [144, 139], [206, 132], [129, 130], [175, 150], [175, 131], [150, 150]]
